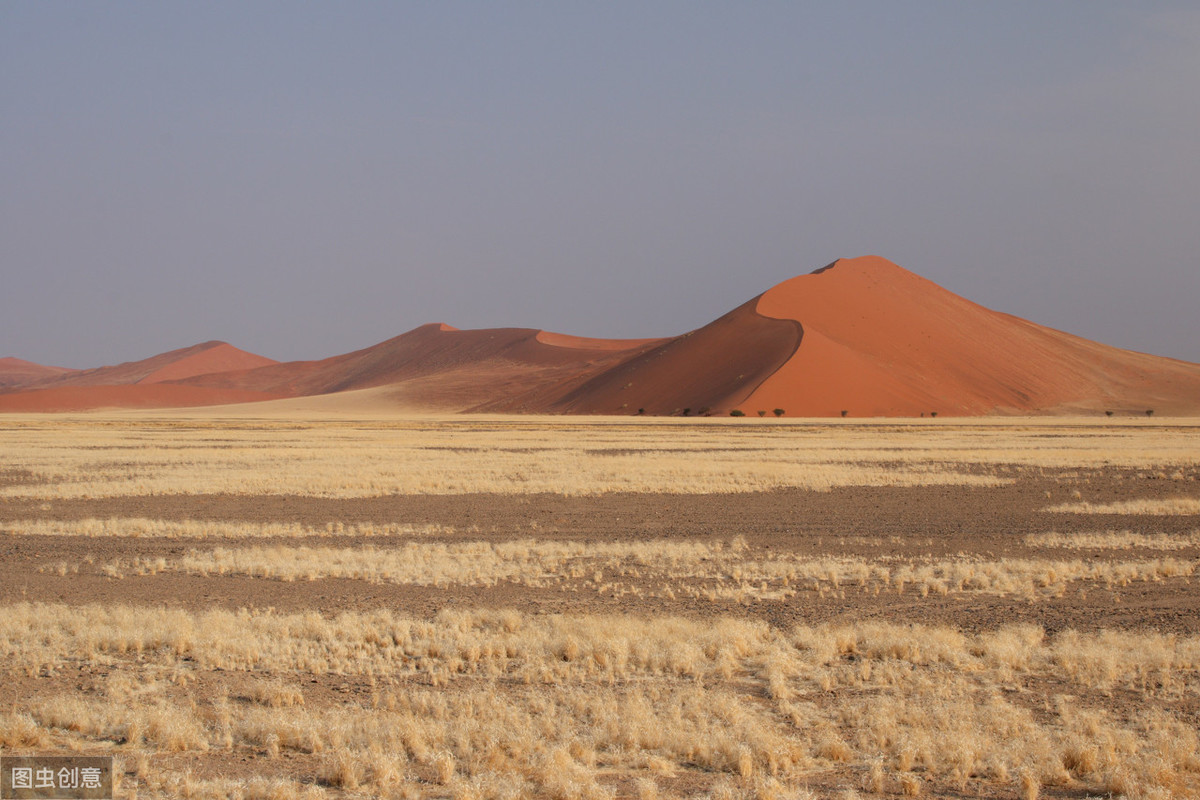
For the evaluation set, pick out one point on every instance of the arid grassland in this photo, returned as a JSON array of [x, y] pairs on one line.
[[479, 607]]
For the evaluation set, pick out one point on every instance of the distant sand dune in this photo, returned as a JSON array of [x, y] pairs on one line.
[[17, 372]]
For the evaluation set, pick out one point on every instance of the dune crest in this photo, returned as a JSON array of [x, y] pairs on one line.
[[587, 343]]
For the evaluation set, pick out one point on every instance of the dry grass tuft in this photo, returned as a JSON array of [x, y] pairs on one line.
[[1114, 540], [1189, 506], [277, 694]]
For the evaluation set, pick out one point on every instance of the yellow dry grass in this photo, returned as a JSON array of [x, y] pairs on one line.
[[1114, 540], [501, 704], [89, 456], [1172, 506], [80, 458], [96, 456], [660, 568]]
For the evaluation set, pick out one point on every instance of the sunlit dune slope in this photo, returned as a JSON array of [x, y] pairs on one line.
[[878, 340]]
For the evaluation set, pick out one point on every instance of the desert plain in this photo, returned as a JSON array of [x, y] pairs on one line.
[[260, 602]]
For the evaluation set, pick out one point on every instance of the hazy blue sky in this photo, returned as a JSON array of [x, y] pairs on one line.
[[303, 179]]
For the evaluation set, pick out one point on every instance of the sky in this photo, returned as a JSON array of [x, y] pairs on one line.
[[305, 179]]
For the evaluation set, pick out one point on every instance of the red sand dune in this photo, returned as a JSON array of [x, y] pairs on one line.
[[173, 365], [861, 335], [881, 341], [459, 370], [138, 384], [868, 337], [221, 357], [17, 372]]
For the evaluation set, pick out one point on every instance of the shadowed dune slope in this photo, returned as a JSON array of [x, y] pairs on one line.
[[714, 367], [17, 372], [879, 340], [437, 366]]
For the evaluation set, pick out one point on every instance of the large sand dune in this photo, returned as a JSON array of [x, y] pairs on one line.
[[185, 362], [881, 341], [861, 336], [17, 372]]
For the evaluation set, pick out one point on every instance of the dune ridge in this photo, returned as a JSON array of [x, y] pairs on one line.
[[17, 372], [441, 366], [185, 362]]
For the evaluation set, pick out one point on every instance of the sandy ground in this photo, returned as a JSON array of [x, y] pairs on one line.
[[919, 523]]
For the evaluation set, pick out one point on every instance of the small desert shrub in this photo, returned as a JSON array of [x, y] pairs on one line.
[[21, 730], [737, 412], [276, 695], [779, 412]]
